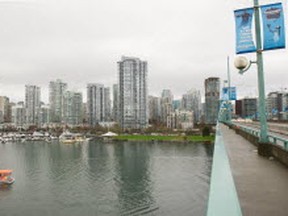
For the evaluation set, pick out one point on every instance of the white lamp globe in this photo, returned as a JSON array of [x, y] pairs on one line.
[[241, 62]]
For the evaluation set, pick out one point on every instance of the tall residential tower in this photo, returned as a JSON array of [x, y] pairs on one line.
[[191, 101], [212, 96], [72, 108], [32, 104], [56, 100], [166, 103], [98, 104], [5, 109], [133, 98]]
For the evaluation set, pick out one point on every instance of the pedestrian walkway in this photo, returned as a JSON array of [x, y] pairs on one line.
[[261, 183]]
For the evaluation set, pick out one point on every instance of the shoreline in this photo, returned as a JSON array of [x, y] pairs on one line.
[[150, 138]]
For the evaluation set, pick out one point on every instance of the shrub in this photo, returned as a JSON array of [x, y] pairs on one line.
[[206, 131]]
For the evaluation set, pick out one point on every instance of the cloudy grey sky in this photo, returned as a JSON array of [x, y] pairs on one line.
[[80, 41]]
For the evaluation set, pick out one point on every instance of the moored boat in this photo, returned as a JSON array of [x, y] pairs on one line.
[[70, 138], [67, 138], [80, 138]]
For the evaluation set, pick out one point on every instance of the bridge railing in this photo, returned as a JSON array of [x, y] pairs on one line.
[[223, 198], [272, 138]]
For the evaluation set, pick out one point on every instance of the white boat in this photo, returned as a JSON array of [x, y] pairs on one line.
[[67, 138], [37, 136], [70, 138]]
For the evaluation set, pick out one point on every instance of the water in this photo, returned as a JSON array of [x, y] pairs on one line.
[[106, 179]]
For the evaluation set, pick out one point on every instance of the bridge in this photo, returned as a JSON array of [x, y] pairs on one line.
[[244, 182]]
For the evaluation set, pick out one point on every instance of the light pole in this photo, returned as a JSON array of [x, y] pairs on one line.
[[261, 84], [224, 106], [243, 65], [229, 93]]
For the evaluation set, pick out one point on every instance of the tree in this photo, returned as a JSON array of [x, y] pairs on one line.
[[206, 131]]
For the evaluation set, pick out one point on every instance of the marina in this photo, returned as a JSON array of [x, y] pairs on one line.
[[22, 137]]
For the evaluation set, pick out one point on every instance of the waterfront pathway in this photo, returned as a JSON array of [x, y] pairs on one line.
[[261, 183]]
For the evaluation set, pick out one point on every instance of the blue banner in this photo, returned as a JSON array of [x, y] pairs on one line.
[[229, 94], [273, 26], [244, 37]]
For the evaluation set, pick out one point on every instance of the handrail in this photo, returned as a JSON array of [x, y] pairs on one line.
[[223, 199], [273, 139]]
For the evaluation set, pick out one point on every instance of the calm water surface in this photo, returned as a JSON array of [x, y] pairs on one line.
[[106, 179]]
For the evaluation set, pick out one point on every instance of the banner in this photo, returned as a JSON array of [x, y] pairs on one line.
[[244, 37], [273, 26], [229, 94]]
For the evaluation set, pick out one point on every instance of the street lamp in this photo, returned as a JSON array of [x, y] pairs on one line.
[[229, 89], [243, 65], [272, 15]]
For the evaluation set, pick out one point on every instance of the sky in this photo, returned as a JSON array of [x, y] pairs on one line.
[[80, 42]]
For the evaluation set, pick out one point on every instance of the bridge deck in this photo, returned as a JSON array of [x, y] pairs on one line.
[[261, 184]]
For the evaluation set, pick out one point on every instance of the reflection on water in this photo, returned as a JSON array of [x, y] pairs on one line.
[[133, 174], [129, 178]]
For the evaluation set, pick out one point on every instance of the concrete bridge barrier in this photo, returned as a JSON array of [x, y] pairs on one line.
[[264, 149]]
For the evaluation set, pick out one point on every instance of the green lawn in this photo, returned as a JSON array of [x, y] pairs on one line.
[[163, 138]]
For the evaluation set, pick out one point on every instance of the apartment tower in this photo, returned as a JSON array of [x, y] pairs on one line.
[[133, 98], [32, 104], [98, 104], [212, 96], [56, 100]]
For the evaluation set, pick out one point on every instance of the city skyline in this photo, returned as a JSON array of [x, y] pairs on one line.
[[45, 93], [45, 40], [132, 103]]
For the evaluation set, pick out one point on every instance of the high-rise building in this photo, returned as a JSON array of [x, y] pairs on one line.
[[284, 111], [171, 120], [18, 114], [180, 119], [5, 110], [44, 113], [107, 104], [166, 105], [115, 111], [32, 104], [176, 104], [133, 93], [167, 93], [212, 96], [154, 110], [191, 101], [84, 113], [238, 108], [185, 119], [98, 105], [274, 105], [249, 108], [72, 108], [56, 99]]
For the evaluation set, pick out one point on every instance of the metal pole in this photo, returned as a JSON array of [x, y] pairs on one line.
[[228, 76], [261, 86]]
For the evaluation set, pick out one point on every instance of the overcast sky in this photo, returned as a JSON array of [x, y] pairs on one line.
[[80, 41]]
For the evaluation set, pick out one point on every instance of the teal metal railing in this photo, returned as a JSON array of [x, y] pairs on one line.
[[223, 198], [272, 138]]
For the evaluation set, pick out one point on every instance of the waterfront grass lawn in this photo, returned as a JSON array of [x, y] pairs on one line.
[[195, 138]]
